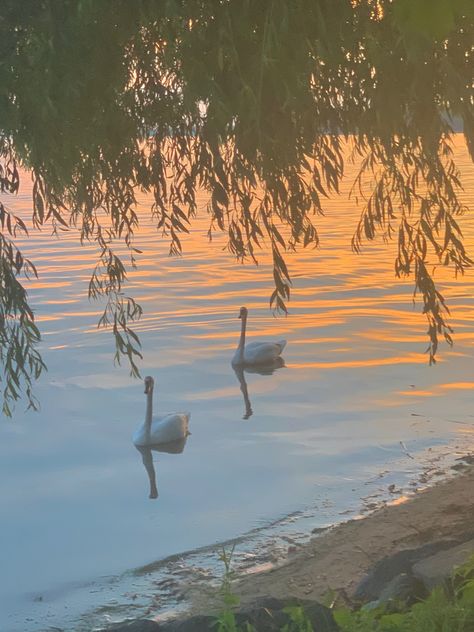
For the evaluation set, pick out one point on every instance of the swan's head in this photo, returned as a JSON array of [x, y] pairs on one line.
[[149, 383], [243, 312]]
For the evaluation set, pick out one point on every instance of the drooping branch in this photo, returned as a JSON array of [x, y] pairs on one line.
[[250, 102], [416, 196]]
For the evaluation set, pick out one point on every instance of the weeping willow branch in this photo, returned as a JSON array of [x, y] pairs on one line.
[[416, 194], [120, 310], [251, 103], [20, 361]]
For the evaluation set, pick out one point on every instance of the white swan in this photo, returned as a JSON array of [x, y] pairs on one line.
[[162, 429], [255, 353]]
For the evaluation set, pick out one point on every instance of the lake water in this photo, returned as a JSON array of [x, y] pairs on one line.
[[356, 402]]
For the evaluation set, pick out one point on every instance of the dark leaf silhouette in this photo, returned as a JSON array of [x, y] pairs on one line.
[[254, 103]]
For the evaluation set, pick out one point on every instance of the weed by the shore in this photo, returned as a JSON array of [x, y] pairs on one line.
[[226, 622], [299, 622]]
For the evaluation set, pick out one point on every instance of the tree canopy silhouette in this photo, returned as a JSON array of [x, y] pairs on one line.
[[252, 102]]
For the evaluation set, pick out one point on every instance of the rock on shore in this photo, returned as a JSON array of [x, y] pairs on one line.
[[266, 615]]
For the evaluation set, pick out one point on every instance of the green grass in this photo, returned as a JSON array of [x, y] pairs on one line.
[[448, 609]]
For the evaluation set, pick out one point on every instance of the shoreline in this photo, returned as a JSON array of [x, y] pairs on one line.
[[337, 559], [341, 557], [332, 558]]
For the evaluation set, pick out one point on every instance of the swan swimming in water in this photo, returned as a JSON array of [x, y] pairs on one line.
[[255, 353], [163, 429]]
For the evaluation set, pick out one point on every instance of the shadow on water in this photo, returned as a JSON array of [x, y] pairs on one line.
[[172, 447], [264, 369]]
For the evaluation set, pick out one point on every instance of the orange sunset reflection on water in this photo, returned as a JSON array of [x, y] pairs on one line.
[[357, 295], [347, 311]]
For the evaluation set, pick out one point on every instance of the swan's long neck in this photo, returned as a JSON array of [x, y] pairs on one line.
[[240, 348], [148, 414]]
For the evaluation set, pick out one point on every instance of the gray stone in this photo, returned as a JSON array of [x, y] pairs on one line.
[[372, 585], [266, 615], [436, 569], [404, 588], [387, 569], [138, 625], [198, 623]]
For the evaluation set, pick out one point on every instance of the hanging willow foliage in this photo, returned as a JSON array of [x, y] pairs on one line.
[[252, 102]]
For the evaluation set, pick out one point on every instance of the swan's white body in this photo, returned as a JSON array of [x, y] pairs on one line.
[[162, 429], [255, 353], [258, 353]]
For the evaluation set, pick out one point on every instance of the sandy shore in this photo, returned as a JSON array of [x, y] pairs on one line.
[[339, 558], [336, 560]]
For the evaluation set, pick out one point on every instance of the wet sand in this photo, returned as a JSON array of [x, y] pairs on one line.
[[338, 559]]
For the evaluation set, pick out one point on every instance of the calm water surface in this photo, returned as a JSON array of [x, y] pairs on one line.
[[73, 490]]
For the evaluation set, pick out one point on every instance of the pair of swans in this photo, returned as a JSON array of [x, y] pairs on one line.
[[168, 433], [261, 357]]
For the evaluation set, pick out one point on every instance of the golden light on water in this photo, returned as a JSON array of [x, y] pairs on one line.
[[351, 304]]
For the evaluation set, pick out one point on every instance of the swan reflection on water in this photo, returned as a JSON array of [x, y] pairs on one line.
[[264, 369], [172, 447]]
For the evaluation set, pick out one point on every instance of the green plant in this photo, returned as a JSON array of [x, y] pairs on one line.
[[444, 610], [299, 622], [226, 620]]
